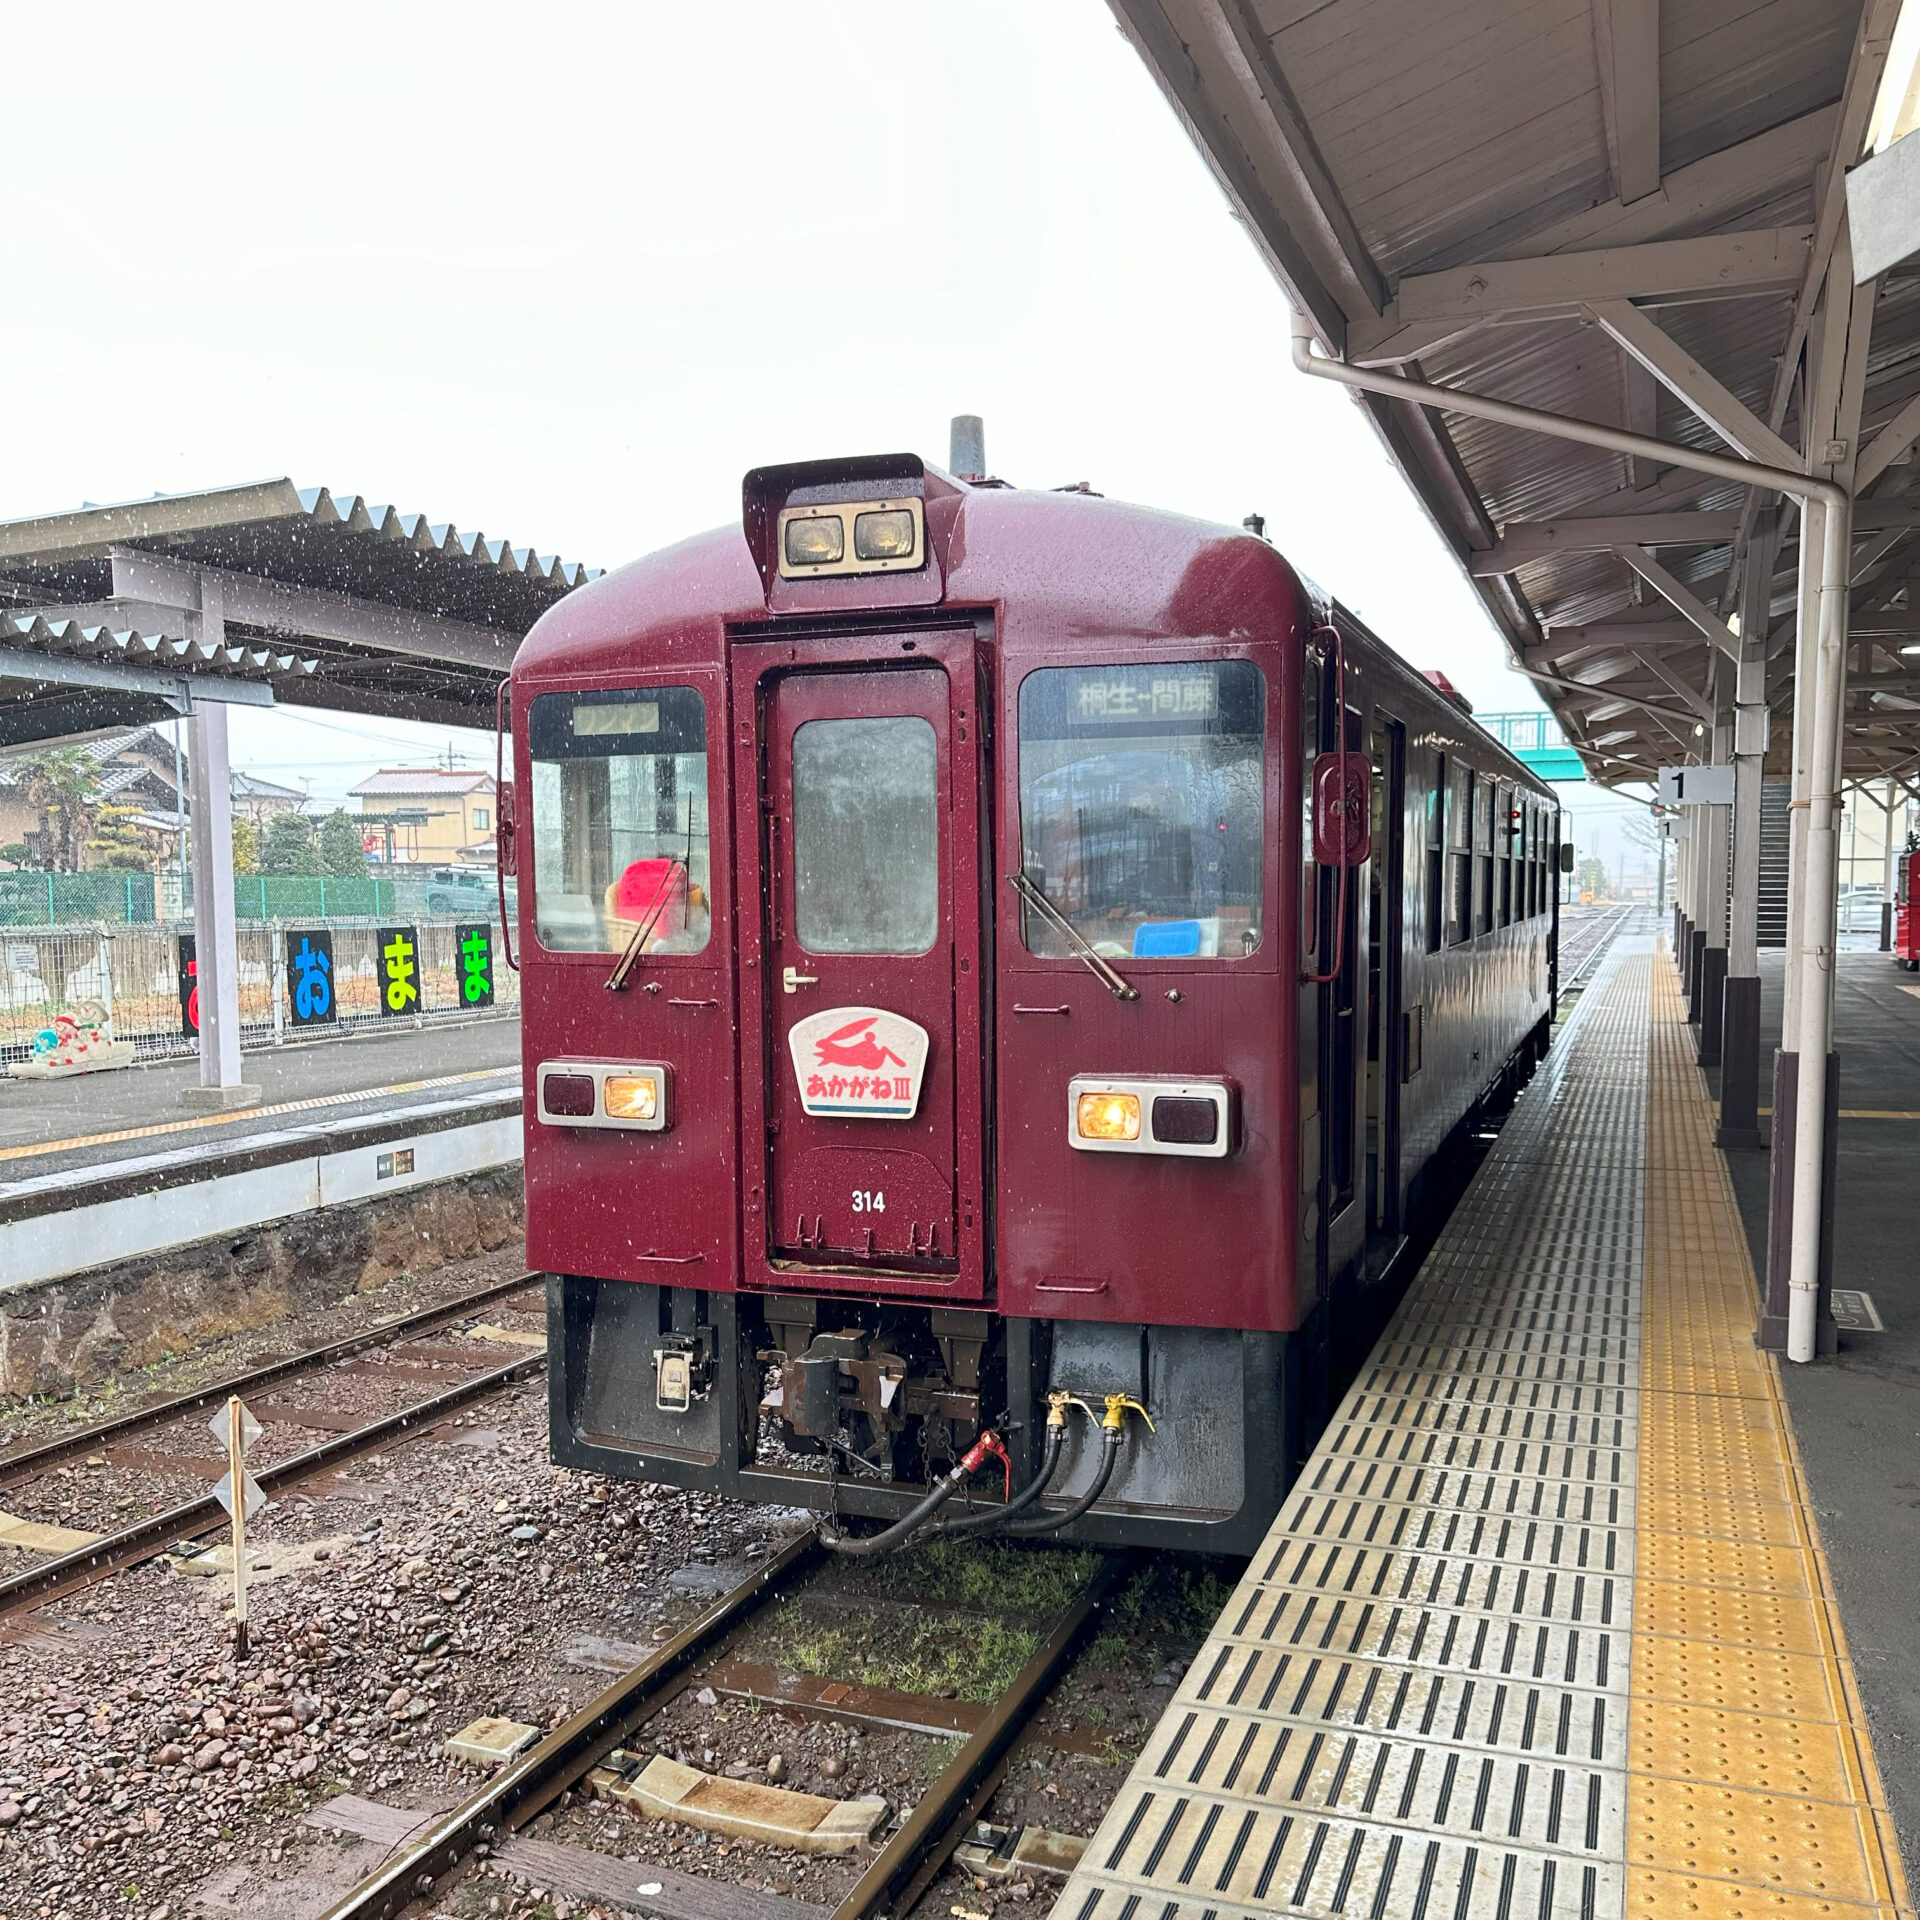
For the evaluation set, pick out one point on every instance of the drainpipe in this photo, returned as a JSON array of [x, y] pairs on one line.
[[1813, 954]]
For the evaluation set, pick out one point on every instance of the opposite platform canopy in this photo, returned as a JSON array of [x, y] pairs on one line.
[[1620, 210], [120, 615]]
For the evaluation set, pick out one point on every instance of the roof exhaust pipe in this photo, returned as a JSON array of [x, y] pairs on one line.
[[967, 447]]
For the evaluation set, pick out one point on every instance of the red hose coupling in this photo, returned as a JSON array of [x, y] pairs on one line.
[[987, 1446]]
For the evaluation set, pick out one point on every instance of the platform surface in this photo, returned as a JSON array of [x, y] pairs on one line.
[[1546, 1627], [1857, 1415], [95, 1121]]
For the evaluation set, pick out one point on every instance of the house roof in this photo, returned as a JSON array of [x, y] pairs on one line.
[[391, 781]]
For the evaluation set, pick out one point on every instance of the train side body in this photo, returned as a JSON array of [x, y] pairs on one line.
[[780, 841]]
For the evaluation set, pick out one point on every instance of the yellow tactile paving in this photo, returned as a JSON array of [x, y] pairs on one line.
[[1752, 1787], [159, 1127]]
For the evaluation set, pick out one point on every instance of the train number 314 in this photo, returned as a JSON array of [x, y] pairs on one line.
[[865, 1201]]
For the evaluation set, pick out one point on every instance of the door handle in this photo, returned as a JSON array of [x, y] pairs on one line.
[[793, 981]]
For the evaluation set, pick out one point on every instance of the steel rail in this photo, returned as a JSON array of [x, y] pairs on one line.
[[146, 1537], [24, 1466], [926, 1839], [525, 1787]]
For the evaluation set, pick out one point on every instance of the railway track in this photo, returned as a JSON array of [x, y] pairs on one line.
[[900, 1871], [183, 1520], [1579, 957]]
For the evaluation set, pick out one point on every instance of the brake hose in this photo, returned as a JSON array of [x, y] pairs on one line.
[[991, 1519], [1110, 1438], [911, 1522]]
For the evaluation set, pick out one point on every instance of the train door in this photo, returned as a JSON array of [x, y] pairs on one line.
[[1387, 750], [871, 977], [1341, 1036]]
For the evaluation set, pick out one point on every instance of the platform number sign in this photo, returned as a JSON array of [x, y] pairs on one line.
[[473, 964], [189, 974], [310, 985], [399, 952]]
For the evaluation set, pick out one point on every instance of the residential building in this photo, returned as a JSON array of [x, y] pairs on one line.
[[428, 815]]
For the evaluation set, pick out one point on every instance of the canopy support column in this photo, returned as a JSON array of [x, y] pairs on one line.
[[215, 940]]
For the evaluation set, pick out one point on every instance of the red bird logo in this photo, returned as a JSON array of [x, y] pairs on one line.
[[853, 1046]]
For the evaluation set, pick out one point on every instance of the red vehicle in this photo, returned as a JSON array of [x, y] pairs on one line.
[[1906, 933], [1001, 964]]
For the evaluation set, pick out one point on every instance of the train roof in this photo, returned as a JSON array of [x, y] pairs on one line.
[[1079, 566]]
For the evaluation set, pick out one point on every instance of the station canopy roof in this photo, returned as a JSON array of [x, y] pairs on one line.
[[117, 615], [1589, 207]]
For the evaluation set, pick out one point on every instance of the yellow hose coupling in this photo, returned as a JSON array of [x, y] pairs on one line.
[[1059, 1400], [1117, 1407]]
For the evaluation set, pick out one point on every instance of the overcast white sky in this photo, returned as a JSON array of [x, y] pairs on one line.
[[564, 274]]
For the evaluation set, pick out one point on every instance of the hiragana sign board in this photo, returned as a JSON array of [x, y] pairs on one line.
[[473, 964], [189, 973], [399, 957], [310, 983], [858, 1063]]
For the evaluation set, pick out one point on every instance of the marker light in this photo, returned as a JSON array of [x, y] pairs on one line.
[[624, 1094], [883, 536], [631, 1097], [1108, 1116], [818, 540], [852, 536], [1154, 1113]]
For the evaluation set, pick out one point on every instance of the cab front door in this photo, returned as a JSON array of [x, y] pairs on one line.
[[869, 790]]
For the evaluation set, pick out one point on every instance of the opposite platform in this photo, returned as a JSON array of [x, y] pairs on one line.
[[1545, 1628]]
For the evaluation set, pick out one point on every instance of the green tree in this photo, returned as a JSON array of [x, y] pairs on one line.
[[118, 843], [288, 846], [246, 847], [60, 785], [341, 855], [15, 853], [1590, 875]]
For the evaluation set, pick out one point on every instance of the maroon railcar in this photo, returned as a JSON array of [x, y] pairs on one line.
[[983, 945]]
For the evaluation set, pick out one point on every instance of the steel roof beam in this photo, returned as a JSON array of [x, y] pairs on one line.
[[1629, 633], [1522, 541], [1887, 446], [1684, 377], [1429, 308], [248, 600], [1627, 37], [1682, 599], [179, 690]]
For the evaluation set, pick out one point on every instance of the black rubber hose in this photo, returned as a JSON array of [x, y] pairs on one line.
[[902, 1529], [1053, 1522], [991, 1519]]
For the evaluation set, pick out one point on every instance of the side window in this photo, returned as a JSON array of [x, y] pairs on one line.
[[866, 835], [1459, 853], [1482, 854], [620, 846], [1506, 853], [1436, 853], [1142, 807]]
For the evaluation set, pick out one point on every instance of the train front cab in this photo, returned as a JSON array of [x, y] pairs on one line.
[[981, 1061]]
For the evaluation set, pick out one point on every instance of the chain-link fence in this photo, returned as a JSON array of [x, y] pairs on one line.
[[66, 900], [134, 971]]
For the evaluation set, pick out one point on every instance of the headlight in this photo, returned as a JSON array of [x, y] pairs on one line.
[[817, 541], [883, 536], [631, 1097], [1108, 1116]]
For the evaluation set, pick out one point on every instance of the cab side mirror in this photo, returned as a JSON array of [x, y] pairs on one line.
[[503, 828], [1566, 856], [1342, 810]]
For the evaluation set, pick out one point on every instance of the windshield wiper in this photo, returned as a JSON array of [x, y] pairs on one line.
[[1038, 901], [617, 979]]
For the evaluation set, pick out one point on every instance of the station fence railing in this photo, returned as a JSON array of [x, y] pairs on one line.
[[133, 969], [57, 900]]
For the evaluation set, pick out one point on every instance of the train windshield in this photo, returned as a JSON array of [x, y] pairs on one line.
[[620, 843], [1140, 807]]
